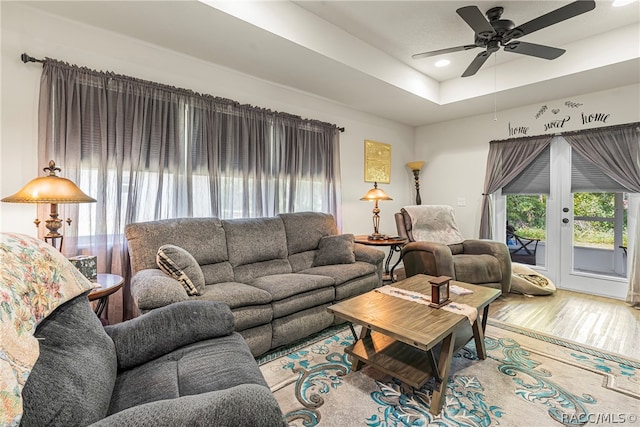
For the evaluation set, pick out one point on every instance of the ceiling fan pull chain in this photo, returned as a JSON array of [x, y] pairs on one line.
[[495, 87]]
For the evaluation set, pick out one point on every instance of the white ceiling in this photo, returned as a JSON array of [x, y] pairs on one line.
[[358, 53]]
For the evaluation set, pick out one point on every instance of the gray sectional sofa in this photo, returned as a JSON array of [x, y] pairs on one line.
[[278, 274]]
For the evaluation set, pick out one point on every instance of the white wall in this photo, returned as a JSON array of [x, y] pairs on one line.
[[41, 35], [456, 151]]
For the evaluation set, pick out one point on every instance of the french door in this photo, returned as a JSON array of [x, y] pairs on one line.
[[584, 235], [584, 263]]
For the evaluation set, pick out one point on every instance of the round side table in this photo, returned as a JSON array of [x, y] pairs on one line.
[[109, 283], [395, 245]]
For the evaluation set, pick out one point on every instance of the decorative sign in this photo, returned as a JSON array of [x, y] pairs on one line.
[[554, 118], [377, 162]]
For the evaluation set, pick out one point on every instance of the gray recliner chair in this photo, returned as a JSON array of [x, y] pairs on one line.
[[178, 365], [447, 253]]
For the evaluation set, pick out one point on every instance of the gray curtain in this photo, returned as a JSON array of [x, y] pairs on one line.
[[615, 151], [505, 161], [148, 151]]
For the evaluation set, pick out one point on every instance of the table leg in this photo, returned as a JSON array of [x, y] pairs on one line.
[[101, 305], [485, 316], [388, 260], [478, 336], [395, 248], [357, 364], [444, 364], [353, 332]]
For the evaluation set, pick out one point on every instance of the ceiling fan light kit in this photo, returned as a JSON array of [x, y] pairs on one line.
[[492, 32]]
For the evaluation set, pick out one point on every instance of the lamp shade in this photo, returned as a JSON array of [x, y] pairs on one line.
[[376, 194], [50, 189], [415, 166]]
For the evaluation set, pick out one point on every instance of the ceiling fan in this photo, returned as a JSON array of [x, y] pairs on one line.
[[495, 32]]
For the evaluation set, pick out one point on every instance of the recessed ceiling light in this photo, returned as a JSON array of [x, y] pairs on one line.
[[443, 63], [618, 3]]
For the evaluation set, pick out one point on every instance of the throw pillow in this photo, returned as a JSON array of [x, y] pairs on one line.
[[35, 279], [182, 266], [336, 249]]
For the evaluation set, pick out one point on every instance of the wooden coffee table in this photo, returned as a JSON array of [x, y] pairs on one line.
[[399, 337]]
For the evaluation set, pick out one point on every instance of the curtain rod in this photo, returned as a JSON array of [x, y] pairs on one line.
[[25, 57]]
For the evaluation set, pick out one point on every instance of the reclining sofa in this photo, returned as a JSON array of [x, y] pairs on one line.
[[277, 274]]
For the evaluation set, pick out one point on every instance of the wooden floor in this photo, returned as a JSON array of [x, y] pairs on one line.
[[604, 323], [595, 321]]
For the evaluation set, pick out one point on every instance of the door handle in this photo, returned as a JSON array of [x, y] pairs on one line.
[[565, 209], [565, 220]]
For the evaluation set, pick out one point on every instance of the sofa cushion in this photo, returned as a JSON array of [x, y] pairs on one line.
[[182, 266], [72, 381], [342, 273], [236, 294], [204, 238], [217, 273], [282, 286], [300, 302], [35, 279], [336, 249], [305, 229], [253, 240], [357, 286]]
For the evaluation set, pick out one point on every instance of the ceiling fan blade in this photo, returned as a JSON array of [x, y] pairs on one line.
[[532, 49], [476, 20], [475, 65], [566, 12], [442, 51]]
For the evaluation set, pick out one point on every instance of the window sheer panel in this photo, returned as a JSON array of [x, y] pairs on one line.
[[147, 151]]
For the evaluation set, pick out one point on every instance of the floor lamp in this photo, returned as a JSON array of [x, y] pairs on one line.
[[415, 168], [51, 189]]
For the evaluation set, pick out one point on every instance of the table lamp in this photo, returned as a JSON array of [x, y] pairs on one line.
[[51, 189], [376, 194], [415, 168]]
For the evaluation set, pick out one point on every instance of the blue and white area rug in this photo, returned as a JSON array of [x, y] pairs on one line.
[[528, 379]]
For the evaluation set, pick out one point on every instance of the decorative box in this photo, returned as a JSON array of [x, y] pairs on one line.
[[87, 265], [440, 291]]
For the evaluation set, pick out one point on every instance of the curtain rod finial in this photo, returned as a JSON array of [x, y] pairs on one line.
[[26, 58]]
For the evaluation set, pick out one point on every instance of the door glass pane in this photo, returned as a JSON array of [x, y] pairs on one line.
[[527, 228], [600, 233]]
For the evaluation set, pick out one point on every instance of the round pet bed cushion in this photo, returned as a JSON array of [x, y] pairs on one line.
[[525, 280]]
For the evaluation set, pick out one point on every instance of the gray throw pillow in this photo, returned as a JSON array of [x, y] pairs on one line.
[[182, 266], [335, 250]]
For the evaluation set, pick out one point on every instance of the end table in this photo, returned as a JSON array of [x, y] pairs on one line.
[[109, 284], [394, 244]]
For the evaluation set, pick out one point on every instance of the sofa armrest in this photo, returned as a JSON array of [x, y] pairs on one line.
[[368, 254], [431, 258], [168, 328], [499, 250], [153, 288], [243, 405]]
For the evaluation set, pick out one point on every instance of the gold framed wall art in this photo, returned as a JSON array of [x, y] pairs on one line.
[[377, 162]]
